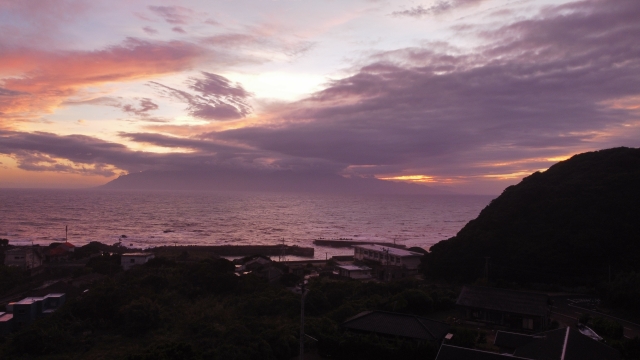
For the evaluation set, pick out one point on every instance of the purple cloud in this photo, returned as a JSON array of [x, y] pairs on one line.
[[542, 86], [176, 15], [437, 8], [218, 98], [178, 30], [149, 30]]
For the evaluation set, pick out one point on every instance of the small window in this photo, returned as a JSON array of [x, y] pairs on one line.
[[22, 311], [133, 261], [527, 324]]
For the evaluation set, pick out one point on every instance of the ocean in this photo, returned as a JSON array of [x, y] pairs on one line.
[[149, 219]]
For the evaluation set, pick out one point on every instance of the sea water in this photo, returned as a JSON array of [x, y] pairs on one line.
[[148, 219]]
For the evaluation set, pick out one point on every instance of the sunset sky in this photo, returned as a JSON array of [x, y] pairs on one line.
[[467, 95]]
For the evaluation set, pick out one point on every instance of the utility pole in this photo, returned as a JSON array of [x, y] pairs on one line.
[[66, 233], [386, 252], [486, 268], [304, 294]]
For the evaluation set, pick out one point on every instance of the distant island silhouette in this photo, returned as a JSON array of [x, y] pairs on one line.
[[276, 181]]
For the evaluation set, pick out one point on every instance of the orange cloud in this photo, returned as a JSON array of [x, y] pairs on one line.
[[37, 82]]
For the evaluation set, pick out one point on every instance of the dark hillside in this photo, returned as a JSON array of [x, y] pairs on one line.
[[569, 224]]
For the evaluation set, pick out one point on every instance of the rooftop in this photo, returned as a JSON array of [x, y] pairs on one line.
[[396, 324], [354, 267], [28, 300], [504, 300], [392, 251], [450, 352], [138, 254], [567, 344]]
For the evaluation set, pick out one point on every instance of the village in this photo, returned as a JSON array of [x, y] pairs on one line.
[[505, 323]]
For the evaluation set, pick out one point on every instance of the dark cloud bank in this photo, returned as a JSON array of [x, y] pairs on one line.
[[540, 88]]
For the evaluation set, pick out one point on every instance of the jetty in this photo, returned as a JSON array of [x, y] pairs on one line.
[[350, 242], [242, 250]]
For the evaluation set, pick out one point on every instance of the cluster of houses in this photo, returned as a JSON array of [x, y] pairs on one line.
[[22, 313], [521, 318], [33, 257]]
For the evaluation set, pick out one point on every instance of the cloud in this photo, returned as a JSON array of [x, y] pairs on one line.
[[217, 98], [541, 87], [146, 105], [565, 80], [150, 31], [178, 29], [176, 15], [142, 111], [48, 78], [79, 154], [437, 8]]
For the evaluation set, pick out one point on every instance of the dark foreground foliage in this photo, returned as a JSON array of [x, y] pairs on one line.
[[573, 224], [166, 310]]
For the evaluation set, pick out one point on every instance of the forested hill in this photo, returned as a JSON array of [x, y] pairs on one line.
[[569, 224]]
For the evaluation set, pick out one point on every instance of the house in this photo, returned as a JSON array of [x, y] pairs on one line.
[[354, 271], [513, 309], [397, 325], [24, 257], [132, 259], [261, 266], [29, 309], [385, 255], [60, 251]]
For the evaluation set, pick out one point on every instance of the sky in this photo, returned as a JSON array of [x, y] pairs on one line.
[[465, 95]]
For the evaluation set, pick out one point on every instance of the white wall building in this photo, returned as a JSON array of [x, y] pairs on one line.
[[354, 271], [388, 256], [133, 259], [24, 257]]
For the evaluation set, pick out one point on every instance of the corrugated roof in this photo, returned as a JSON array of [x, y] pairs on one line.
[[576, 346], [137, 254], [450, 352], [504, 300], [354, 267], [392, 251], [396, 324]]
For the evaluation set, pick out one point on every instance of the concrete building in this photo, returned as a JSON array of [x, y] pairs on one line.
[[24, 257], [388, 256], [6, 323], [132, 259], [354, 271]]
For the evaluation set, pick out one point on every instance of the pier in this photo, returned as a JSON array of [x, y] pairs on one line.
[[244, 250], [351, 242]]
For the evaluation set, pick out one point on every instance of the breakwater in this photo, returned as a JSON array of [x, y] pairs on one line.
[[243, 250], [350, 242]]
